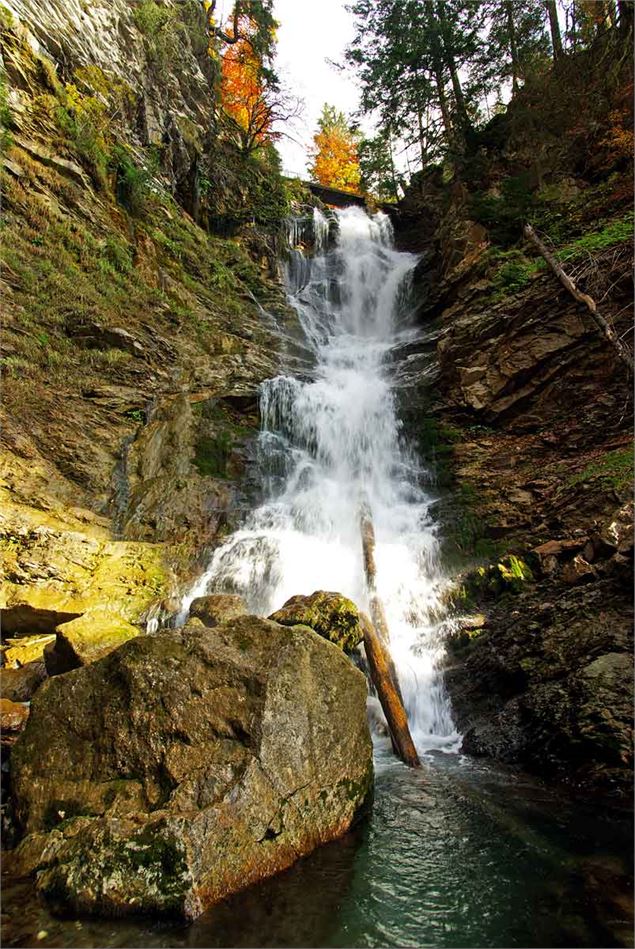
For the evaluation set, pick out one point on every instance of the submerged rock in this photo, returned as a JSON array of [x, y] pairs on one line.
[[187, 765], [217, 608], [332, 615], [25, 650]]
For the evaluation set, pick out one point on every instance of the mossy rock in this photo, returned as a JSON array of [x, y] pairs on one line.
[[490, 582], [88, 638], [331, 615]]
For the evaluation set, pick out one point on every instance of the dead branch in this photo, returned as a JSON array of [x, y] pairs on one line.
[[607, 331]]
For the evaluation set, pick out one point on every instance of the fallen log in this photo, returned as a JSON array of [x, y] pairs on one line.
[[367, 531], [607, 331], [384, 677], [376, 638]]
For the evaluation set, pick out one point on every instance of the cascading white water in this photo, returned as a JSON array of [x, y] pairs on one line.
[[328, 444]]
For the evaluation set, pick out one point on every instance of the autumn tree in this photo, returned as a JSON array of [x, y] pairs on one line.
[[252, 97], [335, 152]]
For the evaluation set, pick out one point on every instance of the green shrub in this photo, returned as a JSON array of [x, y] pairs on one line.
[[160, 29]]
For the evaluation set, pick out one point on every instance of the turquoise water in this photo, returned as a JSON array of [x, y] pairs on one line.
[[458, 854]]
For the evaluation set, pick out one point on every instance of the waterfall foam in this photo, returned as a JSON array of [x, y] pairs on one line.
[[332, 441]]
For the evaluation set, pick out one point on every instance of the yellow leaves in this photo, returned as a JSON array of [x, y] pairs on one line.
[[336, 163], [242, 87]]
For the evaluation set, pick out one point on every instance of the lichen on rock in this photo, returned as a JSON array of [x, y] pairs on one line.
[[332, 615]]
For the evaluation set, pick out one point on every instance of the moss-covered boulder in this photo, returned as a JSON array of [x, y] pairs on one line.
[[331, 615], [187, 765], [217, 608], [86, 639]]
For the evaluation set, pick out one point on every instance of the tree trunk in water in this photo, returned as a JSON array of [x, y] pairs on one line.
[[513, 48], [384, 677], [607, 331], [376, 637], [554, 26]]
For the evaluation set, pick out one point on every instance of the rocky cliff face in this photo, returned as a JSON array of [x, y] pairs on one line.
[[135, 336], [525, 413]]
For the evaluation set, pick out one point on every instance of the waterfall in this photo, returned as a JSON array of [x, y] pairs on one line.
[[332, 440]]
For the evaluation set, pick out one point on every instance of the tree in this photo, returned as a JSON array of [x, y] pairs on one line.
[[377, 166], [335, 155], [554, 27], [251, 96], [516, 41], [414, 61]]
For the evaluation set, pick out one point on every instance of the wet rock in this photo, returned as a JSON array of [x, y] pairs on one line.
[[217, 608], [86, 639], [13, 716], [332, 615], [509, 575], [19, 685], [187, 765], [550, 686]]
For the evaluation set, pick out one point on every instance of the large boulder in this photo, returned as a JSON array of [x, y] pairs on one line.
[[187, 765], [549, 685], [331, 615]]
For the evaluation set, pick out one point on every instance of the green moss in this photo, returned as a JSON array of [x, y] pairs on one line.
[[514, 271], [612, 470], [6, 137], [132, 181], [493, 581], [160, 29]]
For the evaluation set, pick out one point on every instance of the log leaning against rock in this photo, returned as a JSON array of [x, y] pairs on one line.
[[376, 638], [607, 331], [383, 674]]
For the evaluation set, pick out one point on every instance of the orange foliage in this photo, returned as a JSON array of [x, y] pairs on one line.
[[242, 89], [336, 163]]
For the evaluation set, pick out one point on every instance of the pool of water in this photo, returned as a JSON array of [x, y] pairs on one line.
[[460, 853]]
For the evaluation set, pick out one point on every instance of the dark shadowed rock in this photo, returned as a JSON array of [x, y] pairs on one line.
[[550, 686], [18, 685], [332, 615], [217, 608], [187, 765]]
